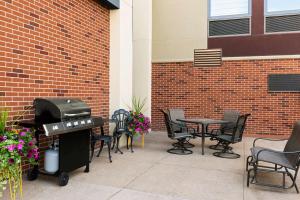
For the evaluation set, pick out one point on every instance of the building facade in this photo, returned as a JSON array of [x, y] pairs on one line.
[[254, 50]]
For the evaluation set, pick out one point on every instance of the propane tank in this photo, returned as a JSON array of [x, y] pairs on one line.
[[51, 159]]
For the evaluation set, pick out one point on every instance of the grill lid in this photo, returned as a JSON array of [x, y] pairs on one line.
[[59, 109]]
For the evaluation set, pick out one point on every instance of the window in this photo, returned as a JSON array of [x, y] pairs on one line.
[[228, 8], [282, 16], [273, 7], [229, 17]]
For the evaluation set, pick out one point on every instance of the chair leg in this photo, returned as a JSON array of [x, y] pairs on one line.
[[117, 147], [293, 179], [180, 149], [131, 141], [248, 177], [109, 155], [92, 149], [127, 141], [186, 144], [114, 142], [219, 146], [248, 162], [101, 147], [227, 153]]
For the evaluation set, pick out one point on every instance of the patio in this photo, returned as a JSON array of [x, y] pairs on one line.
[[204, 57], [153, 174]]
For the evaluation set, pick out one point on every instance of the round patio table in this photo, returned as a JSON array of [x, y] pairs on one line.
[[204, 122]]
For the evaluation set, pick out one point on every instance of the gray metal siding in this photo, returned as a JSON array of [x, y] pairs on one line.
[[282, 23], [229, 27]]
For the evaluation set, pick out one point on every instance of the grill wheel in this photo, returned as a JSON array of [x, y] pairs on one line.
[[63, 179]]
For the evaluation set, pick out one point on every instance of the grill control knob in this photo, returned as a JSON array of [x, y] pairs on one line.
[[69, 124], [75, 123]]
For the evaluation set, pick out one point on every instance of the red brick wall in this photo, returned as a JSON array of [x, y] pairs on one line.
[[51, 48], [241, 85]]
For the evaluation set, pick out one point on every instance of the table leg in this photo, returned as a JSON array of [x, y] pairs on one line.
[[204, 127]]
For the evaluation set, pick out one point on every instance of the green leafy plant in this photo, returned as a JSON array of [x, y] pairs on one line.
[[138, 105], [15, 146]]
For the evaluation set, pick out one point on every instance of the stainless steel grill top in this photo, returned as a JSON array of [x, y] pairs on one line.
[[58, 109]]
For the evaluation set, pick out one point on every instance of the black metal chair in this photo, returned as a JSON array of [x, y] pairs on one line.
[[227, 139], [283, 161], [230, 116], [181, 137], [120, 117], [104, 139], [177, 113]]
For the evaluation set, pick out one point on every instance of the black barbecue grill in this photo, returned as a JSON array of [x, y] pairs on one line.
[[70, 120]]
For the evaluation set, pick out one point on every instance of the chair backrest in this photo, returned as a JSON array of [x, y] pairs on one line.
[[230, 116], [293, 144], [239, 128], [174, 114], [120, 117], [167, 120]]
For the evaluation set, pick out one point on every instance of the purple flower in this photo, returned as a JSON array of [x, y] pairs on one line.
[[22, 134], [2, 139], [11, 161], [36, 156], [30, 143], [11, 147], [138, 130], [20, 146]]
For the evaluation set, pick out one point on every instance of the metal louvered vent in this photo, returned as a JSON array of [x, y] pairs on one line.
[[284, 82], [229, 27], [282, 23], [207, 57]]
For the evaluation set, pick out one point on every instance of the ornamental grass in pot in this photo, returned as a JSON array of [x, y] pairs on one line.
[[138, 123]]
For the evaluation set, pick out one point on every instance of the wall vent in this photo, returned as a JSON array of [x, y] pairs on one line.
[[207, 57], [284, 82]]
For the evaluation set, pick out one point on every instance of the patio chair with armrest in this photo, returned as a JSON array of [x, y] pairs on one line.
[[230, 116], [282, 162], [181, 137], [177, 113], [226, 139]]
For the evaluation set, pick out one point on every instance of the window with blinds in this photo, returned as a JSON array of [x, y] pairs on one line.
[[282, 16], [229, 17]]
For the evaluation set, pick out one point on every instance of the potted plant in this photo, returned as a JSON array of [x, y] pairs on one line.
[[138, 124], [16, 147]]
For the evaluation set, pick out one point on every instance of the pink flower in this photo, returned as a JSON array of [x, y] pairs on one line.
[[22, 134], [30, 143], [138, 129], [36, 156], [20, 146], [11, 147]]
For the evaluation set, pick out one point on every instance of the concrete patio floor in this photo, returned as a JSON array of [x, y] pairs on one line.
[[153, 174]]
